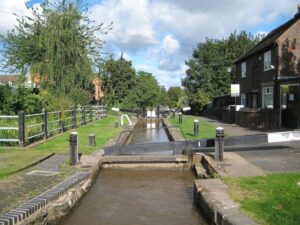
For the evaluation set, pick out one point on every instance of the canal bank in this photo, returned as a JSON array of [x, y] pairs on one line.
[[67, 199]]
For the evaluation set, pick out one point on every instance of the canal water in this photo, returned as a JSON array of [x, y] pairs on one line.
[[127, 197], [139, 197], [147, 132]]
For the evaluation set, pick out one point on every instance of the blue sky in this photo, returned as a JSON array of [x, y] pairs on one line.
[[159, 35]]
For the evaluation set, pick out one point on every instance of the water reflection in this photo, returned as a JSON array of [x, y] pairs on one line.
[[146, 132]]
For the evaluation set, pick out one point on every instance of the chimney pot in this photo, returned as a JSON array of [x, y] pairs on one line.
[[298, 6]]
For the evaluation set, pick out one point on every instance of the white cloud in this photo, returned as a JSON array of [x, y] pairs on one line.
[[8, 11], [170, 44], [133, 28], [166, 31]]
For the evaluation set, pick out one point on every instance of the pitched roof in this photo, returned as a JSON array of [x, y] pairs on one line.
[[5, 79], [270, 39]]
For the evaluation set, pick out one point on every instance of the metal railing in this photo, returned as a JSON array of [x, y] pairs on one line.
[[28, 128]]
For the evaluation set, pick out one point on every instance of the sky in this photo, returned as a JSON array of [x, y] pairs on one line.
[[158, 36]]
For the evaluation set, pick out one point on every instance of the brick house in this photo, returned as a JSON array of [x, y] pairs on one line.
[[269, 75], [8, 79]]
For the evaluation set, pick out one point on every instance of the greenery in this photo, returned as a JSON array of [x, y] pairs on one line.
[[118, 79], [174, 94], [13, 159], [206, 130], [208, 74], [127, 89], [272, 199], [58, 43]]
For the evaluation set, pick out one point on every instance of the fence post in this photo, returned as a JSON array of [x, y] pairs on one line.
[[21, 128], [74, 117], [62, 127], [45, 121], [91, 114], [83, 116]]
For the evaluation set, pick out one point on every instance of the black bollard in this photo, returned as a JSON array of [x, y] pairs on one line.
[[73, 141], [92, 140], [219, 144], [196, 127], [180, 117]]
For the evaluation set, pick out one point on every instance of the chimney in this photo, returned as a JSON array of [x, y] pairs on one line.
[[298, 6]]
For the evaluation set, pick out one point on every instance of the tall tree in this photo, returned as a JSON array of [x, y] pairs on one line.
[[59, 43], [174, 94], [144, 94], [208, 73], [118, 79]]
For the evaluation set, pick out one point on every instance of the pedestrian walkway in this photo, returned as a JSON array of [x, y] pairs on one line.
[[232, 129]]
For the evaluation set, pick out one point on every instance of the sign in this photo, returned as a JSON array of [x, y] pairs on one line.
[[115, 109], [186, 108], [235, 90]]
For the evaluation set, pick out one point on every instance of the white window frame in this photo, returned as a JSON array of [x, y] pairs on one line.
[[268, 90], [267, 60], [243, 99], [244, 69]]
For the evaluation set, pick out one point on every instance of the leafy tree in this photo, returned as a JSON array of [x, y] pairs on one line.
[[163, 98], [118, 79], [198, 100], [208, 67], [144, 94], [174, 94], [59, 43]]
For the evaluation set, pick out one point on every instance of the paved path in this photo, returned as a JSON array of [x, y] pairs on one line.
[[276, 160], [53, 163], [232, 129]]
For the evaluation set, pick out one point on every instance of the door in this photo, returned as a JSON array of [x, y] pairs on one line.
[[290, 106]]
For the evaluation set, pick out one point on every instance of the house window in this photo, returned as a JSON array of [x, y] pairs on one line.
[[244, 69], [267, 61], [243, 99], [267, 97]]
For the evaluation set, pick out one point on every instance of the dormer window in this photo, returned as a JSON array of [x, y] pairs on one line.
[[244, 69], [267, 61]]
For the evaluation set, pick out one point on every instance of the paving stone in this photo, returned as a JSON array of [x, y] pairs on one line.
[[53, 163], [4, 221]]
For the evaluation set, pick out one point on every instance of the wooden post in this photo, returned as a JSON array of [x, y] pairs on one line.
[[91, 114], [74, 117], [83, 116], [21, 128], [62, 124], [45, 121]]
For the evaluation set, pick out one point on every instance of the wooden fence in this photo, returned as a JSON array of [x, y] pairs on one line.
[[28, 128]]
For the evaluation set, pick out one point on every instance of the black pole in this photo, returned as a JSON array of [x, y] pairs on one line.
[[21, 128], [45, 123], [180, 118], [196, 127]]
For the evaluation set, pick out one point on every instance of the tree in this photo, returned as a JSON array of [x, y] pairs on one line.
[[208, 68], [174, 94], [59, 43], [118, 79], [144, 94], [163, 98]]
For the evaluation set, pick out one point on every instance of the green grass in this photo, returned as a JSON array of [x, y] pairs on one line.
[[206, 130], [12, 159], [272, 200]]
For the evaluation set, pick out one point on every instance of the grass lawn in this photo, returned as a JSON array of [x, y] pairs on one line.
[[12, 159], [272, 200], [206, 130]]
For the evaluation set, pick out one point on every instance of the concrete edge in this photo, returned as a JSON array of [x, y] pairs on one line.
[[219, 212]]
